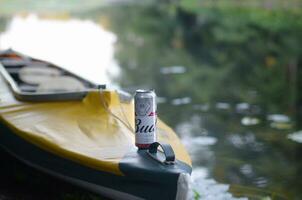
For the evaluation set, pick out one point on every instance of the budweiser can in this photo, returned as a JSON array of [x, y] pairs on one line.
[[145, 118]]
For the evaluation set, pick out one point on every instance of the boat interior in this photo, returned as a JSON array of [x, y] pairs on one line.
[[36, 76]]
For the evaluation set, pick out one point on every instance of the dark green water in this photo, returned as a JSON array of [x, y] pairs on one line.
[[229, 81]]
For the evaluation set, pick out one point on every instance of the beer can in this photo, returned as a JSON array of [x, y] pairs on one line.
[[145, 118]]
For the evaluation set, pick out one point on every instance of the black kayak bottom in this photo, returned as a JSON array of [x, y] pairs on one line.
[[144, 178]]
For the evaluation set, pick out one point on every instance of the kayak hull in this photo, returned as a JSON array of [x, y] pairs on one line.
[[103, 183]]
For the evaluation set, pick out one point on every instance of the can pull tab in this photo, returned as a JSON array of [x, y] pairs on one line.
[[169, 155]]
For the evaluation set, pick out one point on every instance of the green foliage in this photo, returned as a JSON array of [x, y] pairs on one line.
[[228, 52], [8, 7], [196, 195], [3, 22]]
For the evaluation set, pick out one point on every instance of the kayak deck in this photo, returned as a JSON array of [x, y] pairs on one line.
[[81, 130]]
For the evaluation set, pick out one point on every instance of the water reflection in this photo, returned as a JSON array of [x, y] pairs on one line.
[[173, 70], [279, 121], [198, 143], [80, 46], [249, 121], [181, 101], [209, 189], [223, 106], [247, 170], [248, 109], [161, 100], [296, 136], [246, 141], [278, 118], [202, 107]]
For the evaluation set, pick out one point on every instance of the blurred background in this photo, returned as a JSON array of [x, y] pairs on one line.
[[227, 74]]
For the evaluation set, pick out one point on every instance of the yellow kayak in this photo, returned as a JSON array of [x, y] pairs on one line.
[[66, 126]]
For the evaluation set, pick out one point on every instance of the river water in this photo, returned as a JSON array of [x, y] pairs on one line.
[[227, 83]]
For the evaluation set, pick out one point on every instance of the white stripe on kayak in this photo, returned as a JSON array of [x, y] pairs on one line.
[[183, 186]]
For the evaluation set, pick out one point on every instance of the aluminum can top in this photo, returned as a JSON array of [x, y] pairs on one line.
[[144, 94]]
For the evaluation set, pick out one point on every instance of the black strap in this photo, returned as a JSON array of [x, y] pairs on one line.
[[167, 151]]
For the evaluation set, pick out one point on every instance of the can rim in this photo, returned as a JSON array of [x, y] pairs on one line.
[[144, 90]]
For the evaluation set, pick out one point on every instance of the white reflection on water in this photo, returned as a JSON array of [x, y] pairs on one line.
[[249, 121], [173, 70], [242, 107], [247, 170], [247, 140], [261, 182], [80, 46], [209, 189], [296, 136], [198, 142], [181, 101], [280, 118], [223, 106]]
